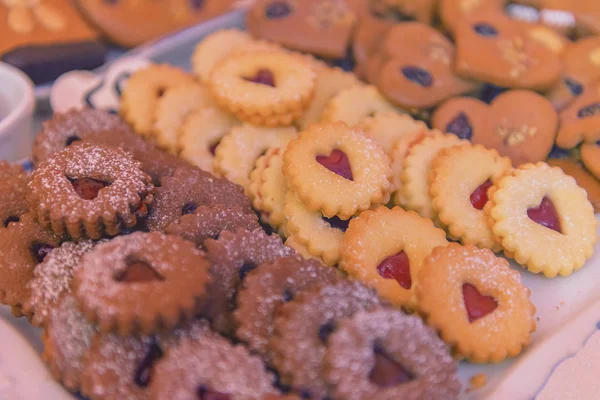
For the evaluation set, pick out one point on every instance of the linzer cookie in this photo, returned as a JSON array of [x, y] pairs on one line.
[[90, 191], [272, 191], [303, 326], [233, 256], [477, 302], [52, 278], [67, 340], [543, 220], [385, 249], [112, 278], [270, 88], [582, 177], [266, 289], [313, 26], [519, 124], [492, 48], [23, 245], [13, 193], [188, 189], [388, 355], [418, 68]]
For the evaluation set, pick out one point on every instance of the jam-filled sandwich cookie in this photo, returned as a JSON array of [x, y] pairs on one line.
[[272, 190], [385, 249], [143, 91], [52, 280], [417, 167], [13, 193], [519, 124], [459, 192], [233, 256], [67, 339], [312, 26], [266, 289], [109, 281], [582, 177], [393, 356], [90, 191], [207, 366], [337, 170], [201, 134], [418, 71], [303, 326], [477, 302], [23, 245], [543, 219], [493, 48], [256, 177], [238, 151], [386, 128], [269, 88], [188, 189]]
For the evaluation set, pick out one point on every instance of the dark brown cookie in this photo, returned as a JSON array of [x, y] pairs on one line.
[[13, 193]]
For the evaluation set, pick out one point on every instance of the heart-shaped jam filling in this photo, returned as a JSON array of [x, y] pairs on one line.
[[575, 87], [479, 197], [396, 267], [387, 372], [188, 208], [484, 29], [589, 111], [278, 9], [40, 250], [138, 271], [88, 188], [11, 219], [460, 126], [263, 76], [545, 214], [325, 330], [418, 75], [143, 373], [337, 223], [72, 139], [205, 393], [338, 163], [477, 305]]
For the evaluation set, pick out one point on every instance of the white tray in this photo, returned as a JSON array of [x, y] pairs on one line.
[[553, 367]]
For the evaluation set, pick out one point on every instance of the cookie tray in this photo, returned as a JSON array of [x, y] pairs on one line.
[[560, 363]]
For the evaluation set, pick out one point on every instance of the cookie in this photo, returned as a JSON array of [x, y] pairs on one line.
[[519, 124], [386, 354], [256, 177], [188, 189], [422, 74], [459, 181], [582, 177], [112, 279], [13, 193], [490, 47], [386, 128], [131, 23], [233, 256], [266, 289], [579, 121], [452, 12], [67, 340], [477, 302], [24, 245], [337, 170], [303, 326], [272, 191], [366, 41], [88, 191], [385, 250], [311, 26], [48, 38], [272, 96]]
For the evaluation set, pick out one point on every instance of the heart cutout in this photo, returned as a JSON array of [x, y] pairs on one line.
[[416, 67], [546, 215], [88, 188], [396, 267], [263, 76], [338, 163], [519, 124], [479, 197], [477, 305], [387, 372]]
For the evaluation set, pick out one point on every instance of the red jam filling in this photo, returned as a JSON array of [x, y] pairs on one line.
[[387, 372], [479, 197], [143, 373], [263, 76], [205, 393], [545, 214], [477, 305], [396, 267], [88, 188], [139, 272], [338, 163]]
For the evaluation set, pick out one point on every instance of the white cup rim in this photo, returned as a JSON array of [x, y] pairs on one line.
[[26, 103]]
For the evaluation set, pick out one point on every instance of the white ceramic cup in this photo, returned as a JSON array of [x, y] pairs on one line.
[[17, 101]]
